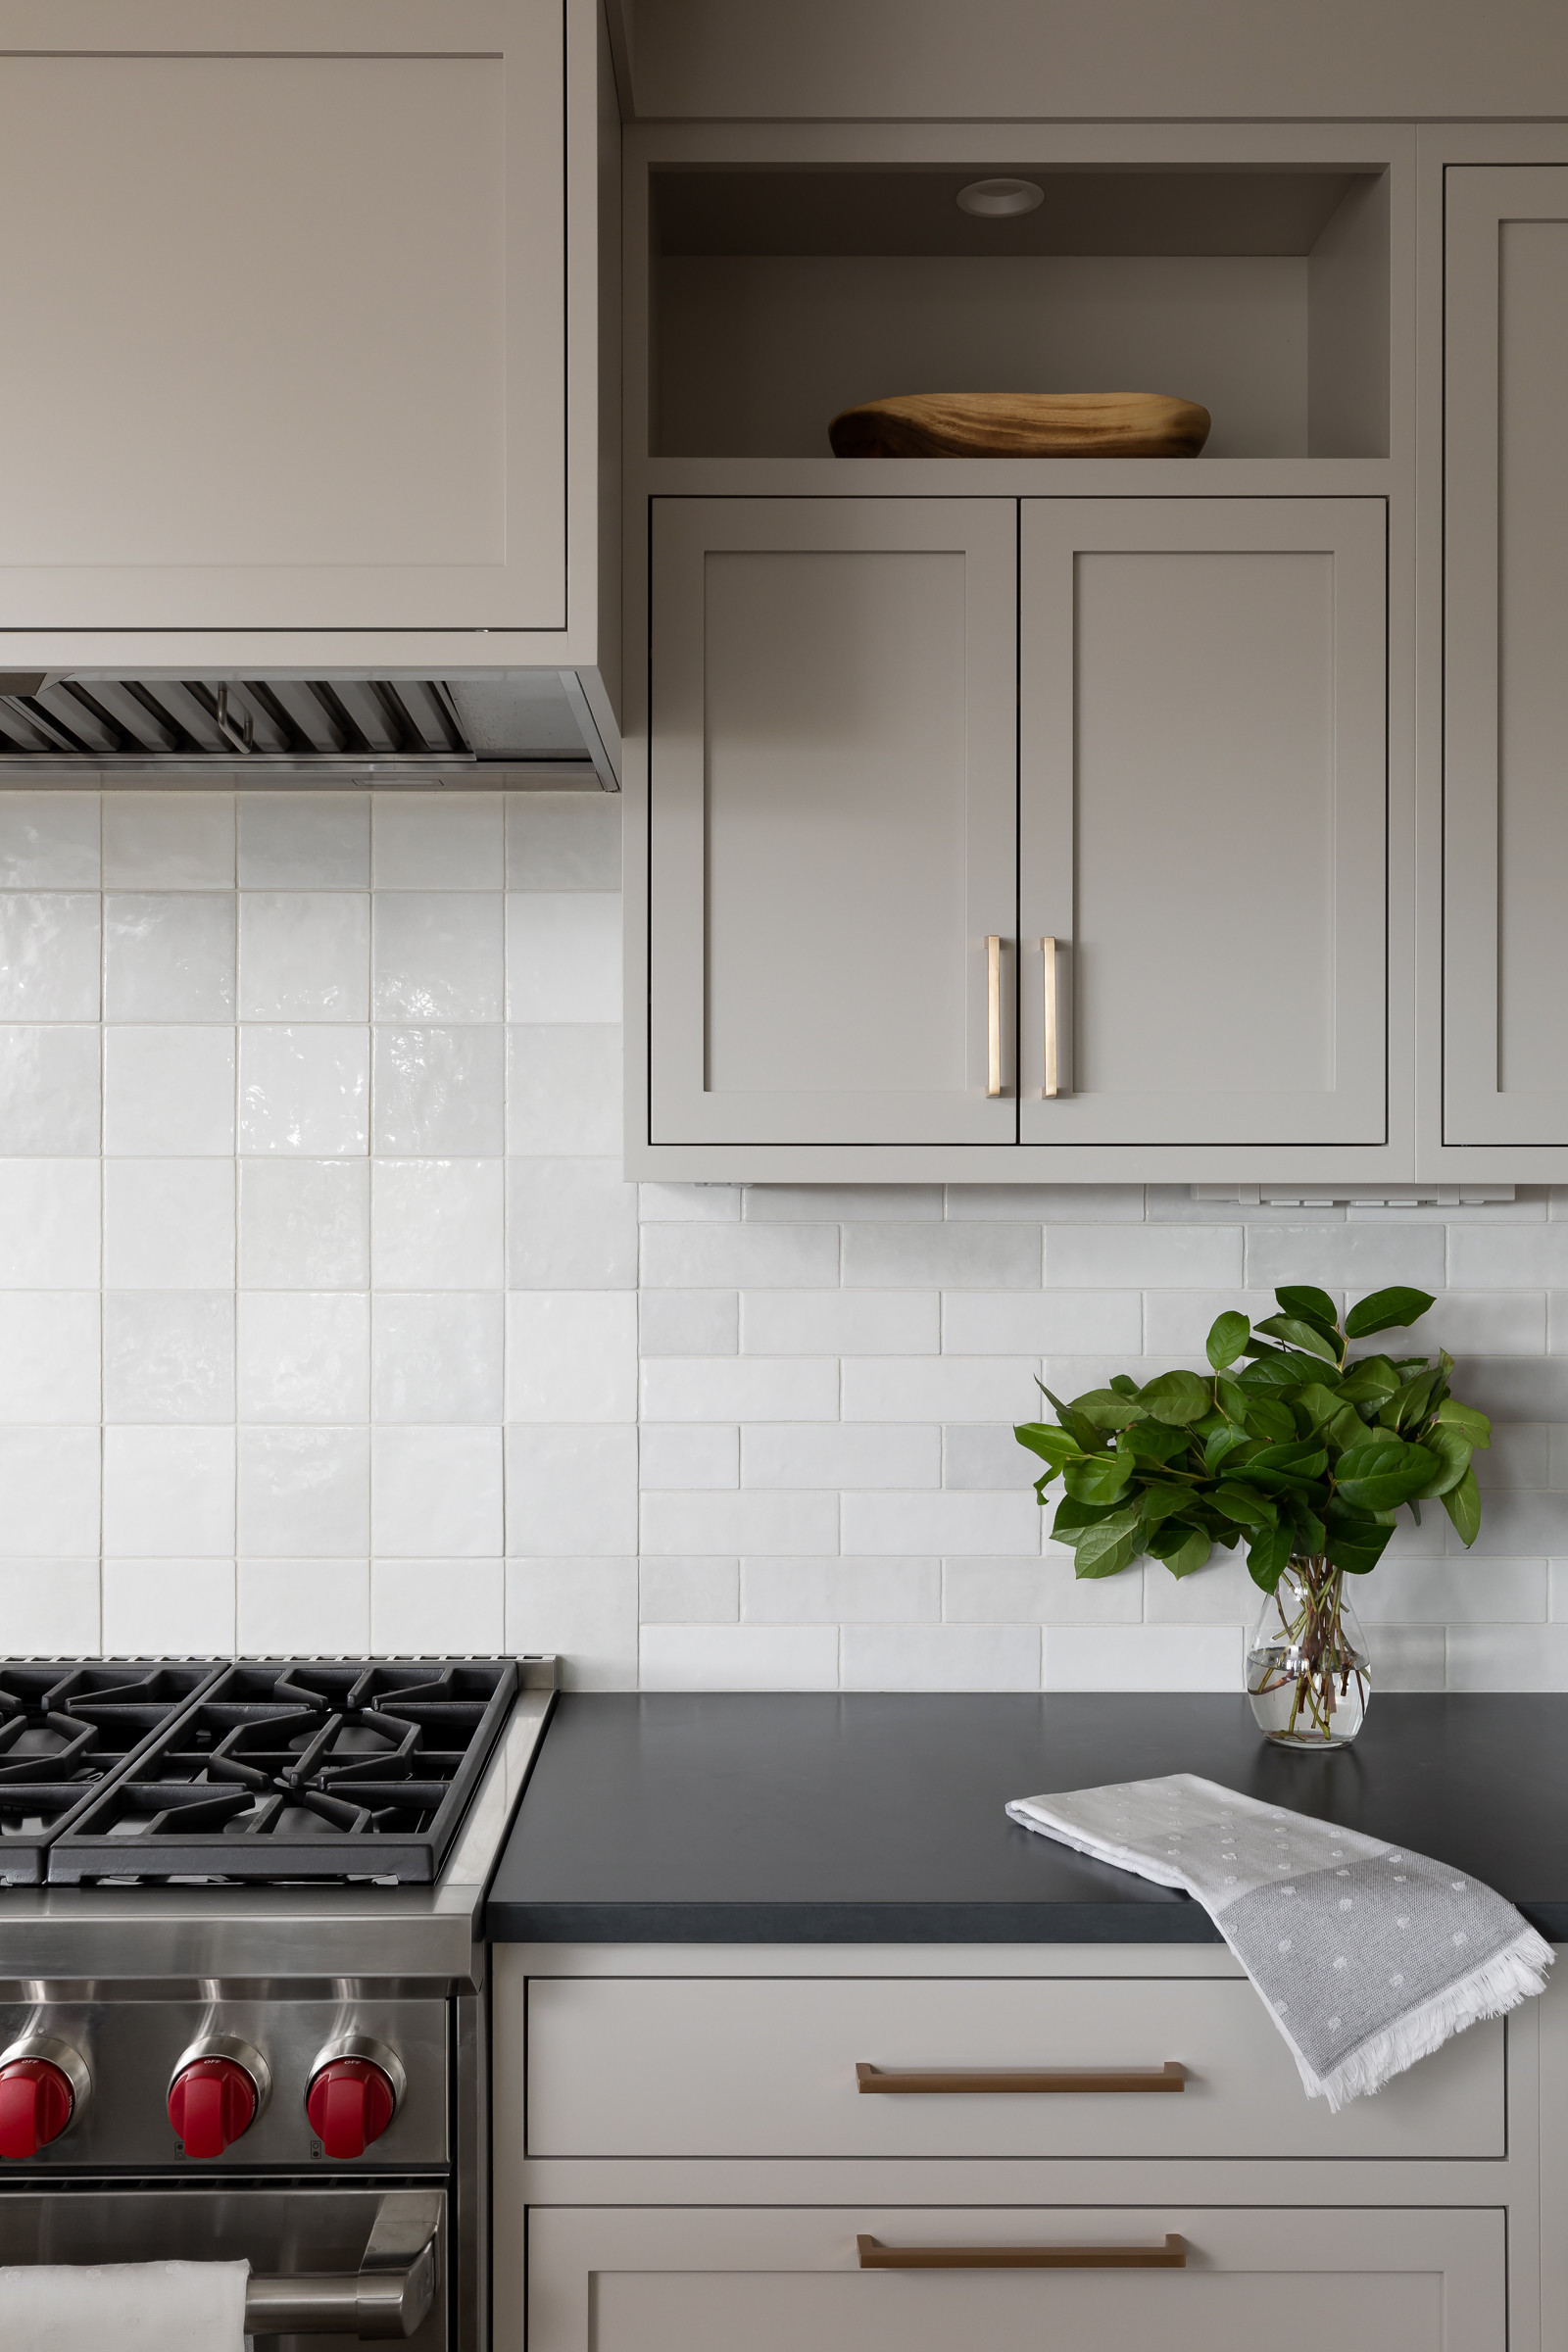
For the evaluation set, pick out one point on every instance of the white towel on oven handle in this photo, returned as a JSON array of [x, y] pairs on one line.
[[124, 2306]]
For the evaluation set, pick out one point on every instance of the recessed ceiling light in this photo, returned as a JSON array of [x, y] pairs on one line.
[[999, 199]]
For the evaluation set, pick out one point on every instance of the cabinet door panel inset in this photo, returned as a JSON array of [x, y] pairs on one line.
[[832, 793], [1505, 822], [1203, 813]]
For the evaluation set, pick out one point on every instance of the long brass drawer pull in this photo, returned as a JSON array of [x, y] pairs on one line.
[[985, 2079], [874, 2256], [994, 1014]]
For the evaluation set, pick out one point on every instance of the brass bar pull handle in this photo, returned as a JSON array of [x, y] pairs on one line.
[[874, 2256], [1047, 950], [994, 1014], [985, 2079]]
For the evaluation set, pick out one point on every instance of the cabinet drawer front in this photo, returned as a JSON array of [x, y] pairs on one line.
[[766, 2067], [1392, 2280]]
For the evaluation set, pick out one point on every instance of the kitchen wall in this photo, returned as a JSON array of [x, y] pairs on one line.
[[326, 1321]]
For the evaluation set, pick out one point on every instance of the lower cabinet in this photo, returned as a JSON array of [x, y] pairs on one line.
[[1290, 2279]]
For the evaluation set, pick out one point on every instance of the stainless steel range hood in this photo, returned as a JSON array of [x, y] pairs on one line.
[[501, 727]]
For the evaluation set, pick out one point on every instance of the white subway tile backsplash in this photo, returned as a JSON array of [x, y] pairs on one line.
[[304, 956], [169, 1355], [742, 1388], [169, 841], [303, 1355], [841, 1322], [169, 1092], [304, 1492], [1131, 1257], [1037, 1322], [438, 1224], [438, 1604], [952, 1388], [304, 1224], [49, 840], [303, 841], [437, 1356], [739, 1657], [690, 1453], [831, 1496], [438, 841], [584, 1610], [562, 841], [941, 1657], [570, 1489], [168, 1224], [50, 1608], [804, 1592], [738, 1257], [49, 1356], [978, 1256], [944, 1523], [49, 1224], [840, 1453], [50, 1479], [49, 955], [435, 1493], [692, 1591], [688, 1322], [563, 956], [571, 1224], [49, 1091], [438, 955], [563, 1090], [571, 1356], [750, 1521], [1144, 1657], [439, 1093], [168, 957], [304, 1089], [291, 1605], [179, 1607], [169, 1493]]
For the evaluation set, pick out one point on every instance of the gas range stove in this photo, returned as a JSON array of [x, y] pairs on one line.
[[271, 1769], [241, 1974]]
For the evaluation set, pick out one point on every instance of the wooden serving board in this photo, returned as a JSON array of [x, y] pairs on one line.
[[1022, 424]]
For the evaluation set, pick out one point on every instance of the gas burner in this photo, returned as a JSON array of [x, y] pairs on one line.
[[304, 1768], [64, 1730]]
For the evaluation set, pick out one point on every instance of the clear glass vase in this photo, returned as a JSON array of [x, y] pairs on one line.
[[1308, 1672]]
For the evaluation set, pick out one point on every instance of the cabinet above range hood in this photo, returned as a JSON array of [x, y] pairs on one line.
[[505, 728]]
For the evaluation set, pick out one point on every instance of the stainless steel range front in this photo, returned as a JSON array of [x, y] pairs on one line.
[[241, 1976]]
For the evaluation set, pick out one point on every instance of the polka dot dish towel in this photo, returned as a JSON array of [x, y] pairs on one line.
[[1365, 1956]]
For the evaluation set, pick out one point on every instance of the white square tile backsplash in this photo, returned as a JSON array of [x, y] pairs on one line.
[[326, 1319]]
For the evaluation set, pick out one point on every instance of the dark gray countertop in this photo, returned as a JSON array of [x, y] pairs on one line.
[[750, 1818]]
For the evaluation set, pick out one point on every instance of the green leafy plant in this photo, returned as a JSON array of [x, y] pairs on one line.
[[1286, 1443]]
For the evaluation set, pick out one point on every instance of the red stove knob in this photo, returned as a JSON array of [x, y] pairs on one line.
[[350, 2102], [36, 2103], [211, 2102]]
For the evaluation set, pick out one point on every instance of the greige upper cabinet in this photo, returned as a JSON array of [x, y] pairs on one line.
[[1506, 808], [284, 302], [831, 804], [1204, 809]]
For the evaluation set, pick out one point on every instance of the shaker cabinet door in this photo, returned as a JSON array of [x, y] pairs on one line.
[[1505, 692], [1203, 827], [284, 302], [832, 797]]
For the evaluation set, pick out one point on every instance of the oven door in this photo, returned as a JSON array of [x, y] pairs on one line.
[[329, 2266]]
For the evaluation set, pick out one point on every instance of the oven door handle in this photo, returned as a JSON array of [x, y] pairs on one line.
[[389, 2295]]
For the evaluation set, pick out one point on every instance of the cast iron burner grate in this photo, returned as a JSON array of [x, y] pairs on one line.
[[64, 1730], [317, 1768]]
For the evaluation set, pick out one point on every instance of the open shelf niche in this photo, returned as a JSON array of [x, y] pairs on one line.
[[782, 295]]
